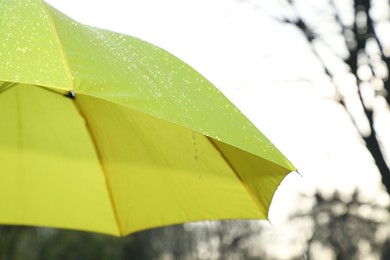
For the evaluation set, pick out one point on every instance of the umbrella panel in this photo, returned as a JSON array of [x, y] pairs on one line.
[[161, 173], [50, 173]]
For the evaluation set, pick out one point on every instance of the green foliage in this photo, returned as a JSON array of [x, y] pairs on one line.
[[18, 242], [351, 228], [206, 240]]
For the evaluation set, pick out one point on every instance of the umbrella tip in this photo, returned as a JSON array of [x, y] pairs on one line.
[[71, 94]]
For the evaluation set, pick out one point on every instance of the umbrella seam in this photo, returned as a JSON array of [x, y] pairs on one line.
[[110, 195], [61, 48], [255, 199], [6, 86]]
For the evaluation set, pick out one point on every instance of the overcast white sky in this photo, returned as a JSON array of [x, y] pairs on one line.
[[265, 68]]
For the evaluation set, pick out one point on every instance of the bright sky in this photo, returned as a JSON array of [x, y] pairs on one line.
[[266, 69]]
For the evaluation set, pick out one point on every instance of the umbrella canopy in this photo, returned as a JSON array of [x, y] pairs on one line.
[[107, 133]]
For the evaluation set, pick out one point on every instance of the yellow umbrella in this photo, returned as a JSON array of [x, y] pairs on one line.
[[107, 133]]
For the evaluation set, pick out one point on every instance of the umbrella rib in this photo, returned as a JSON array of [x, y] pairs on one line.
[[110, 195], [255, 199], [61, 48], [6, 86]]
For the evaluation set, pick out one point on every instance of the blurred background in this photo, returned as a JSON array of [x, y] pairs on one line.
[[313, 77]]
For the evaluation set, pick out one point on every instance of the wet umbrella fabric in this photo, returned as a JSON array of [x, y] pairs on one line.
[[107, 133]]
